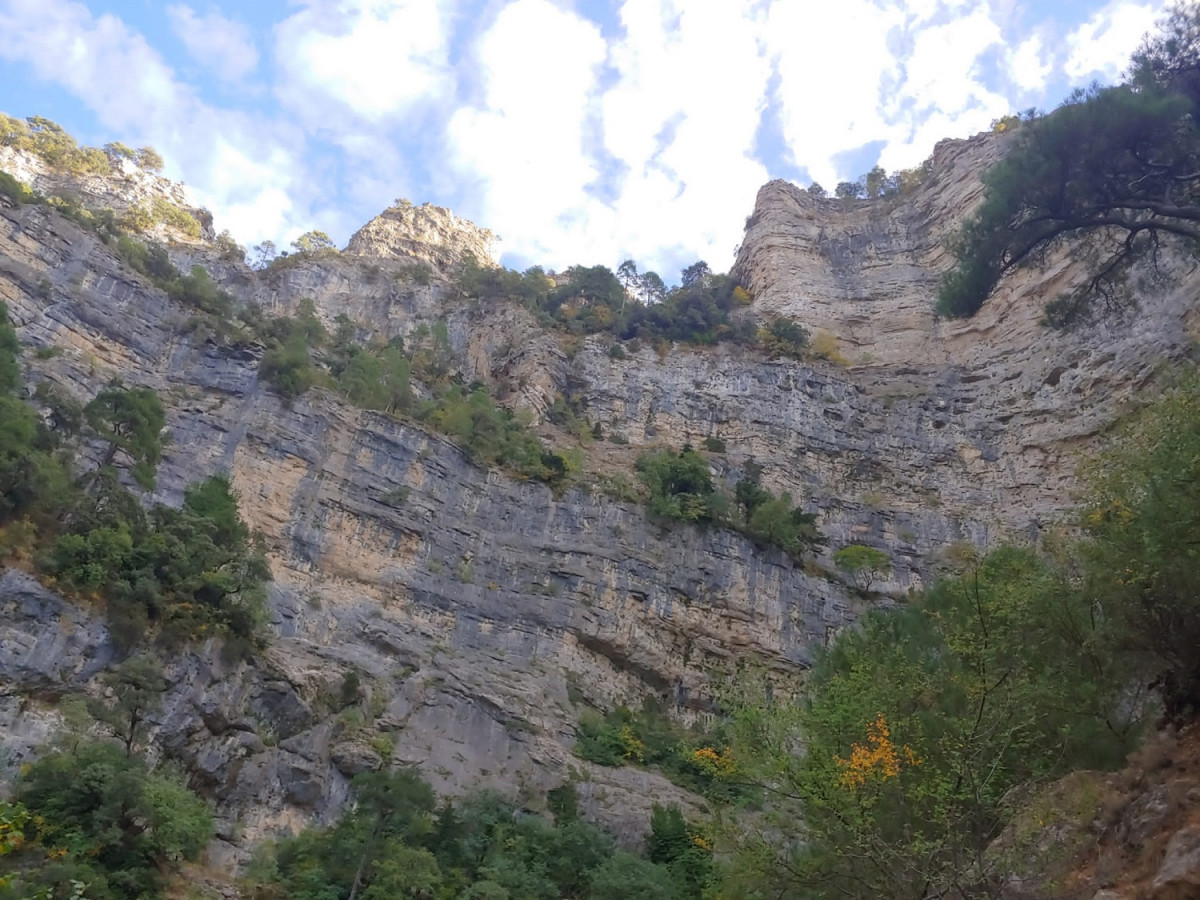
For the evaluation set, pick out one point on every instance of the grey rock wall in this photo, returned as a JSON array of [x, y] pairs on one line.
[[483, 614]]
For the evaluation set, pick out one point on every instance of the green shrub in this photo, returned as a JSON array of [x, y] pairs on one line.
[[397, 841], [17, 191], [783, 337], [176, 217], [697, 759], [186, 573], [1142, 556], [680, 485], [197, 289], [98, 817], [289, 368], [864, 565], [917, 724], [150, 260]]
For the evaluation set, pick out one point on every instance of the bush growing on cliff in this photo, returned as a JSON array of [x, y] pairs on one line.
[[1142, 518], [199, 291], [180, 573], [783, 337], [697, 758], [398, 841], [863, 565], [289, 368], [680, 486], [98, 818], [161, 211], [130, 421], [15, 190], [635, 306], [34, 480]]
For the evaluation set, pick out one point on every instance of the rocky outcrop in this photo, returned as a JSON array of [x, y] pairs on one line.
[[1126, 835], [126, 188], [993, 410], [422, 234]]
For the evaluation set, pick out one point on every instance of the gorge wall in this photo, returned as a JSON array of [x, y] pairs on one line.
[[484, 613]]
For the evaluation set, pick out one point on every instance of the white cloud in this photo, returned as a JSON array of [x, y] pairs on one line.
[[654, 161], [220, 44], [1100, 48], [682, 119], [833, 60], [524, 143], [374, 58], [1028, 66], [943, 91], [903, 75], [98, 59]]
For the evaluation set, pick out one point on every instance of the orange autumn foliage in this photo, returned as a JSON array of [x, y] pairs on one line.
[[878, 760]]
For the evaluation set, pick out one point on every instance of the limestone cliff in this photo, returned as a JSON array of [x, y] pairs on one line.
[[483, 613], [126, 188], [422, 234]]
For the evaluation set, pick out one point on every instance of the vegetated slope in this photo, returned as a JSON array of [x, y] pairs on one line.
[[482, 613], [1113, 836]]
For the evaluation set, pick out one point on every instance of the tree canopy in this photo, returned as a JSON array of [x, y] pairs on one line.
[[1120, 165], [915, 726]]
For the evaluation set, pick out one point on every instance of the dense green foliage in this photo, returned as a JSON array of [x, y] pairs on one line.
[[48, 140], [877, 184], [694, 758], [129, 420], [863, 565], [917, 724], [96, 818], [680, 487], [634, 306], [920, 721], [190, 572], [399, 842], [1118, 164], [15, 190], [1143, 552], [180, 573]]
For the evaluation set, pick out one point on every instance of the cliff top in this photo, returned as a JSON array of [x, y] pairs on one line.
[[425, 234]]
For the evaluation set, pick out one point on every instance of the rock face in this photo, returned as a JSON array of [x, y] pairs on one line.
[[1109, 835], [996, 407], [479, 610], [1179, 876], [423, 234], [483, 614], [127, 188]]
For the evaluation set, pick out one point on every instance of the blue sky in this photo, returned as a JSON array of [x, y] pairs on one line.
[[580, 131]]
